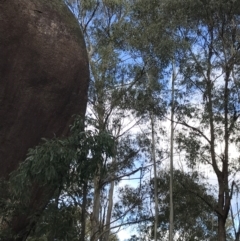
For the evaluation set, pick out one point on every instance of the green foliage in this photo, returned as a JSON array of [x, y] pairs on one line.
[[202, 38], [131, 45], [194, 219], [50, 162], [58, 223], [56, 166]]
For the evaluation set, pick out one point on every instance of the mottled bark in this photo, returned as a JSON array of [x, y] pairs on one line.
[[106, 235], [83, 214], [94, 218], [221, 228]]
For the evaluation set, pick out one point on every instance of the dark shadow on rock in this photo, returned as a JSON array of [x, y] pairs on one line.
[[43, 81]]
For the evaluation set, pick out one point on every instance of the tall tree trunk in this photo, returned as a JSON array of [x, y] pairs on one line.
[[155, 178], [171, 221], [153, 157], [221, 228], [83, 214], [109, 211], [96, 209]]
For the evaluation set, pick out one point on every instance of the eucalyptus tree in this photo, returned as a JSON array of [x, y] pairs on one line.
[[158, 48], [112, 77], [208, 99], [200, 223], [203, 36], [194, 219]]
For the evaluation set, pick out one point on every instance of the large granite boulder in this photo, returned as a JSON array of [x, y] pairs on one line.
[[43, 79]]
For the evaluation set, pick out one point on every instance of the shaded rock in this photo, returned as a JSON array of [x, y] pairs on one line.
[[43, 77]]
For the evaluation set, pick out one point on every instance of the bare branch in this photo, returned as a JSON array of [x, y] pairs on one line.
[[194, 129]]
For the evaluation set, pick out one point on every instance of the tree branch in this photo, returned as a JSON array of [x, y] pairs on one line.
[[194, 129]]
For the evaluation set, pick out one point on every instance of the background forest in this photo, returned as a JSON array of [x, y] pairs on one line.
[[160, 150]]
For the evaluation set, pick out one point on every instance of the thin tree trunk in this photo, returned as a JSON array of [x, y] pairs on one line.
[[153, 156], [96, 209], [171, 221], [83, 214], [110, 206], [155, 178], [109, 212]]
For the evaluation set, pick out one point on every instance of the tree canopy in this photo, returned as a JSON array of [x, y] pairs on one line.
[[116, 172]]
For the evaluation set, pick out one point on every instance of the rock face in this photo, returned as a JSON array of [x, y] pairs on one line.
[[43, 77]]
